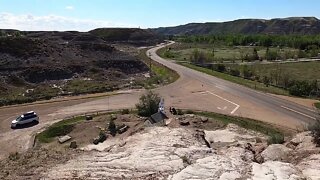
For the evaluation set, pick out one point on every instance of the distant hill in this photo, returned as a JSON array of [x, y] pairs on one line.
[[284, 26], [133, 35]]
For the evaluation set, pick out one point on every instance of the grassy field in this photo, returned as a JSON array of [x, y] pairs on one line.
[[298, 71], [239, 80], [183, 51]]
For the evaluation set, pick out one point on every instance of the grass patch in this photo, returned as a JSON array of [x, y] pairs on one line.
[[245, 82], [317, 105], [298, 71], [160, 74], [66, 126], [275, 135], [61, 128]]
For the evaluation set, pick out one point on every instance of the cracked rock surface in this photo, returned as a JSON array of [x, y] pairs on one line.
[[179, 153]]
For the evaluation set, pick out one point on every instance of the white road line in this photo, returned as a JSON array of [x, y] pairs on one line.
[[222, 108], [237, 105], [299, 112], [220, 87]]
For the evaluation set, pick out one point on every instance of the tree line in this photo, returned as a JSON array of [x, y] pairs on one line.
[[302, 42]]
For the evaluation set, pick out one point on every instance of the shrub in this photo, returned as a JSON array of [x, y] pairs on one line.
[[221, 68], [235, 72], [300, 88], [125, 111], [102, 136], [14, 156], [276, 139], [272, 54], [198, 57], [315, 131], [247, 73], [112, 127], [179, 112], [168, 54], [148, 104], [266, 80], [189, 112]]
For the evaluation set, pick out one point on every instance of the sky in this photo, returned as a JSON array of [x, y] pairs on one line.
[[84, 15]]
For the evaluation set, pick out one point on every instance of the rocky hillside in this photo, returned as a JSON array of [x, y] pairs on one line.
[[181, 153], [203, 148], [293, 25], [131, 35], [31, 59]]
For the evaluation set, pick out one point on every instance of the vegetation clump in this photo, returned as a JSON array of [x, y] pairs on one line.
[[315, 131], [148, 104], [112, 128]]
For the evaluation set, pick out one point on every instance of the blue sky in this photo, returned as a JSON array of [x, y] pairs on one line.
[[84, 15]]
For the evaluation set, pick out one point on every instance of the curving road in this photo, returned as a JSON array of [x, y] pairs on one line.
[[246, 102], [193, 90]]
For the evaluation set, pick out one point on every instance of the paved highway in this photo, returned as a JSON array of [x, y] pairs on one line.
[[238, 95]]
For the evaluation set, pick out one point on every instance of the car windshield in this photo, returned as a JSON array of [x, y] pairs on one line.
[[19, 118]]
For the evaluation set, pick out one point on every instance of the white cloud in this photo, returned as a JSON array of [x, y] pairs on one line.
[[52, 23], [69, 8]]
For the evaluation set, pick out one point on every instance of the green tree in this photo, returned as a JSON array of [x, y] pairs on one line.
[[112, 127], [300, 88], [266, 80], [198, 57], [247, 73], [235, 72], [271, 54], [255, 55], [148, 104]]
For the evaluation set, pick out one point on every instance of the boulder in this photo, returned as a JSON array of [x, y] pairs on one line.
[[123, 129], [259, 147], [73, 145], [96, 141], [310, 167], [276, 152], [184, 123], [100, 139], [212, 167], [204, 119], [258, 158], [275, 170], [88, 118], [64, 139], [302, 142]]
